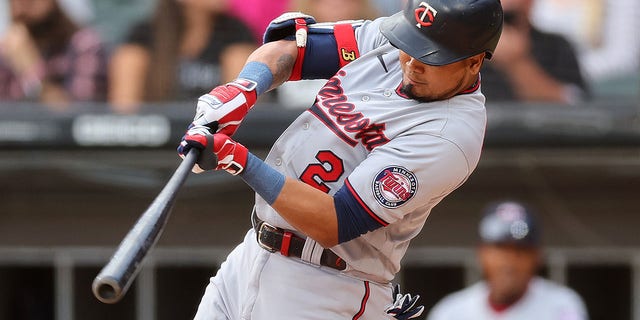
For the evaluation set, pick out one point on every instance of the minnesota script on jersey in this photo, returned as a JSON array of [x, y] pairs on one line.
[[398, 156]]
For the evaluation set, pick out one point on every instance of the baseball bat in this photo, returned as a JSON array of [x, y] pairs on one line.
[[111, 284]]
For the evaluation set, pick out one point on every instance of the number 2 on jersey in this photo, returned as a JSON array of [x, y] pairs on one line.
[[329, 169]]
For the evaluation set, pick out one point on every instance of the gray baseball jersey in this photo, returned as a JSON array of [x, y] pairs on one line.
[[543, 300], [399, 157]]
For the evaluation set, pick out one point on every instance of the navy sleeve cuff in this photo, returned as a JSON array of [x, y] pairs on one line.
[[354, 220]]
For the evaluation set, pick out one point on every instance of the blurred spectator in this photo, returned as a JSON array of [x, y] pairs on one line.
[[336, 10], [46, 57], [389, 7], [4, 17], [188, 47], [79, 11], [530, 65], [301, 94], [115, 18], [603, 32], [257, 14], [509, 254]]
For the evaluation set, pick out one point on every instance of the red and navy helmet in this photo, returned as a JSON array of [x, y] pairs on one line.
[[509, 222], [440, 32]]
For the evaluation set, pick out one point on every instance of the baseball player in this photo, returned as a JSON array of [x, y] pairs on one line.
[[398, 126], [509, 255]]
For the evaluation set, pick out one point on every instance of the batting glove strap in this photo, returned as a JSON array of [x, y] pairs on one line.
[[224, 108], [232, 156], [285, 26]]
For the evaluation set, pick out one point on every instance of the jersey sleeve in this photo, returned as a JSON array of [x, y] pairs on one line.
[[411, 172], [369, 37]]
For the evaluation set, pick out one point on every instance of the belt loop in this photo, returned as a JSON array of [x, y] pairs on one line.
[[316, 256], [255, 221], [312, 251], [286, 242]]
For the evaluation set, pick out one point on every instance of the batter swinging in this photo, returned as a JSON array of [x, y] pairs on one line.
[[398, 126]]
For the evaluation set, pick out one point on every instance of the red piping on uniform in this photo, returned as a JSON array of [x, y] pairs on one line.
[[472, 88], [364, 205], [400, 93], [363, 304]]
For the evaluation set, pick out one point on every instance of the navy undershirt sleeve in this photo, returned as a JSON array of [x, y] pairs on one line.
[[353, 219], [321, 57]]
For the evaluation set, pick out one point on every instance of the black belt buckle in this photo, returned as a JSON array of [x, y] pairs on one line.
[[261, 228]]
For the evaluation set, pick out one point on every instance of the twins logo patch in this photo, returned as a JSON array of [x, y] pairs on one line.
[[394, 186]]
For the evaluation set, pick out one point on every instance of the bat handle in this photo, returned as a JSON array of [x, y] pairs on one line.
[[188, 162], [114, 280]]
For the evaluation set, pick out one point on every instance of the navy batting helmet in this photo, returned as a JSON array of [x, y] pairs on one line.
[[509, 222], [440, 32]]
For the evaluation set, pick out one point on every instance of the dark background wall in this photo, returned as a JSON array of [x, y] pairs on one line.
[[65, 205]]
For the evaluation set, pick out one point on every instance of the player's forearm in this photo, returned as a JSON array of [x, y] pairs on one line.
[[328, 219], [279, 57], [308, 210]]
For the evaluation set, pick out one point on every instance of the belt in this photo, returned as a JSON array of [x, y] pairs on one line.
[[274, 239]]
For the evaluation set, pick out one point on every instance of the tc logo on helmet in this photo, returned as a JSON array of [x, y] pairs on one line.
[[425, 14]]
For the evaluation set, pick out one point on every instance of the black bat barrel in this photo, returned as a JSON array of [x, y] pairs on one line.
[[111, 284]]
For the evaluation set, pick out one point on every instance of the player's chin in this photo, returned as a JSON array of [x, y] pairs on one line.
[[410, 90]]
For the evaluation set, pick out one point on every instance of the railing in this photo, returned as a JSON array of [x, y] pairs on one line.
[[65, 259]]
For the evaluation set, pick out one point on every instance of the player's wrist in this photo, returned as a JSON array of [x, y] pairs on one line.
[[258, 73], [264, 180]]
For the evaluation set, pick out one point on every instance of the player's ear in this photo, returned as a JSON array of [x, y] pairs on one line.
[[475, 63]]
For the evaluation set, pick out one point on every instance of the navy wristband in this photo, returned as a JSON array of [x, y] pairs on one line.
[[258, 72], [264, 180]]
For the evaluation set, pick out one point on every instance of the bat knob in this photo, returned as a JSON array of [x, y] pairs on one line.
[[107, 289]]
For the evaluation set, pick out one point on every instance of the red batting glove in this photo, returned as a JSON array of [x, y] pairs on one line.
[[219, 152], [224, 108], [232, 156], [199, 137]]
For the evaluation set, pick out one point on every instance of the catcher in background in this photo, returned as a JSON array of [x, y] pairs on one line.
[[509, 255], [397, 127]]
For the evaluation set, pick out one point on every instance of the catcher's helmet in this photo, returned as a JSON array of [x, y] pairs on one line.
[[509, 222], [439, 32]]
